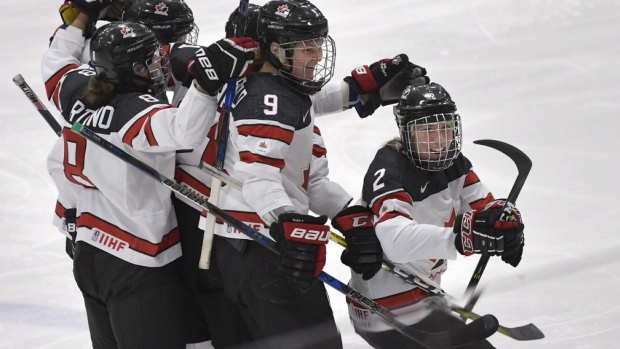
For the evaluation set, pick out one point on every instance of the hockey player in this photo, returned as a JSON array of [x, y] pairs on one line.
[[428, 205], [127, 253]]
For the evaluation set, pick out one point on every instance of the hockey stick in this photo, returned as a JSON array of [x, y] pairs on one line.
[[521, 333], [222, 139], [524, 164], [51, 120], [479, 329]]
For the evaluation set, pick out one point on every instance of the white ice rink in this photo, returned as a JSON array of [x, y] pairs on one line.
[[540, 74]]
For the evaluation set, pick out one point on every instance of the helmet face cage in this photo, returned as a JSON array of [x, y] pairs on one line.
[[305, 54], [431, 142], [157, 69], [307, 65], [129, 56]]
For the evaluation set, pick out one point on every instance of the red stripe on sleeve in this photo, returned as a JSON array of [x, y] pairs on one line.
[[317, 131], [399, 195], [267, 131], [148, 131], [470, 179], [250, 158], [479, 204], [60, 210], [391, 215], [51, 83], [134, 130], [318, 151]]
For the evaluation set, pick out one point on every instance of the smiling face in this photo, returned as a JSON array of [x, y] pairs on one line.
[[432, 141]]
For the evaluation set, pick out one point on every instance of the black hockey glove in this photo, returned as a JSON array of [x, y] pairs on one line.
[[91, 8], [363, 254], [301, 240], [94, 9], [382, 83], [214, 65], [494, 231]]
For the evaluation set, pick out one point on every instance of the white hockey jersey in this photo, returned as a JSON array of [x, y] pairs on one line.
[[414, 215], [120, 210], [275, 150]]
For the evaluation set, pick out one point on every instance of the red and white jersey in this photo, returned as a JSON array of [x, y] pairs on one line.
[[120, 209], [275, 150], [414, 215]]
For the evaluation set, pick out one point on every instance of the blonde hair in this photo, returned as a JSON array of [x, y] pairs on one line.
[[396, 144], [99, 92]]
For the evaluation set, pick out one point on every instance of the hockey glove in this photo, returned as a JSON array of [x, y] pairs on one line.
[[494, 231], [91, 8], [214, 65], [382, 83], [363, 254], [301, 240]]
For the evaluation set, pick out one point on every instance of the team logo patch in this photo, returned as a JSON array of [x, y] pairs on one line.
[[263, 147], [127, 32], [282, 11], [161, 9], [406, 92]]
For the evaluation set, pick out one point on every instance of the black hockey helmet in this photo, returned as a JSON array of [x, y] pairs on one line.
[[250, 24], [287, 22], [170, 20], [429, 127], [129, 56]]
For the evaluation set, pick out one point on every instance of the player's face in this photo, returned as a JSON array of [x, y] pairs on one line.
[[306, 55], [432, 141]]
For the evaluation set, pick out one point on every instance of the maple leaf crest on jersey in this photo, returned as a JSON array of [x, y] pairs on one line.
[[161, 9]]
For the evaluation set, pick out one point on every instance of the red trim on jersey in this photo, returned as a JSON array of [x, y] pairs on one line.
[[318, 151], [148, 131], [399, 195], [52, 82], [60, 210], [396, 301], [390, 215], [471, 178], [316, 130], [479, 204], [183, 176], [209, 155], [134, 130], [250, 158], [90, 221], [267, 131]]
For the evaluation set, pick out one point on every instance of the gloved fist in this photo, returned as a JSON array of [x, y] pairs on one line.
[[363, 254], [494, 231], [91, 8], [214, 65], [382, 83], [301, 241], [68, 12]]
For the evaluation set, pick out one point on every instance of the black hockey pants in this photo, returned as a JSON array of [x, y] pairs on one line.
[[130, 306]]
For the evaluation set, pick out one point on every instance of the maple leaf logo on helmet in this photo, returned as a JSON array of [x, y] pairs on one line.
[[161, 9], [282, 10], [126, 31]]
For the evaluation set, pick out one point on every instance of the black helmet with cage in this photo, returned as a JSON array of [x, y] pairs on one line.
[[129, 56], [287, 23], [170, 20], [249, 24], [430, 128]]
